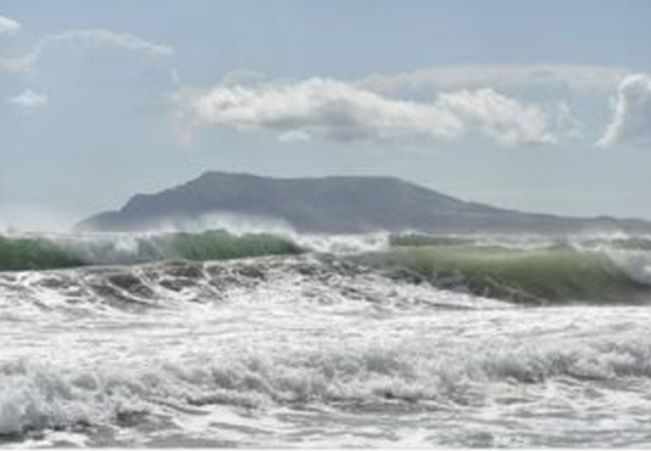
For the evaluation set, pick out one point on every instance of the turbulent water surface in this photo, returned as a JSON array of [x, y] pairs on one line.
[[401, 341]]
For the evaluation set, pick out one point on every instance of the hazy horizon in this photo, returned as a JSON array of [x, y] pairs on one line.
[[46, 220]]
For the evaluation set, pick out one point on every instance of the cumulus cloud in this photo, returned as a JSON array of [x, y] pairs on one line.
[[28, 99], [27, 61], [501, 118], [328, 109], [323, 108], [584, 78], [631, 121], [9, 26]]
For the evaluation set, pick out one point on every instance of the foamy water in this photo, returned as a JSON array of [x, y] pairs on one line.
[[285, 351]]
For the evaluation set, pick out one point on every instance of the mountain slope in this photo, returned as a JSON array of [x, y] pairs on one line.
[[335, 205]]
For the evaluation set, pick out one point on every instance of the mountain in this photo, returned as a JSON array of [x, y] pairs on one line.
[[335, 205]]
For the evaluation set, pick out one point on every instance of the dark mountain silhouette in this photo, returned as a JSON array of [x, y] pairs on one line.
[[337, 205]]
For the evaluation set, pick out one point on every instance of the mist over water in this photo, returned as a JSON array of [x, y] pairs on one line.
[[244, 338]]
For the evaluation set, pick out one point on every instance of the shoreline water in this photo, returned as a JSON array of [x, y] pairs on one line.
[[315, 349]]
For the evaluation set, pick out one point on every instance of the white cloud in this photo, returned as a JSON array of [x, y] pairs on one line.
[[631, 122], [504, 119], [328, 109], [27, 61], [585, 78], [323, 108], [566, 121], [9, 26], [28, 99]]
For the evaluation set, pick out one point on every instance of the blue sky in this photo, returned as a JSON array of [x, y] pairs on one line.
[[541, 106]]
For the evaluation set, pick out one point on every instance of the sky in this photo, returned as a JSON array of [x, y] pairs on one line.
[[540, 106]]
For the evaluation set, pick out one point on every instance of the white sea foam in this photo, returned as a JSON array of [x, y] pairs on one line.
[[311, 351], [491, 367]]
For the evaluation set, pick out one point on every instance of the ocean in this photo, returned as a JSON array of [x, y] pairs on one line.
[[216, 339]]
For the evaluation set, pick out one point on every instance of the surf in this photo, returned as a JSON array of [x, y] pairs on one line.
[[542, 275], [526, 272], [56, 251]]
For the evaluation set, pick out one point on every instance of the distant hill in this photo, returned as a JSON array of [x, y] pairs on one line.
[[337, 205]]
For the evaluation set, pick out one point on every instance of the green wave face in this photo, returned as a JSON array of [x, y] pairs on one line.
[[219, 245], [558, 274], [43, 253], [541, 275], [35, 253], [426, 240]]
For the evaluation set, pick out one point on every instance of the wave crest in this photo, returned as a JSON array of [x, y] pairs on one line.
[[25, 253], [554, 274]]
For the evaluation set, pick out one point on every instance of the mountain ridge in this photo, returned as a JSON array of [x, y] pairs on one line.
[[337, 205]]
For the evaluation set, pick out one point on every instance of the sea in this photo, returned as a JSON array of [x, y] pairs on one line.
[[225, 339]]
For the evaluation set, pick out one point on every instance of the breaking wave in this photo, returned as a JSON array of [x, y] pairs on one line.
[[553, 274], [400, 376], [25, 253], [532, 272], [324, 346]]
